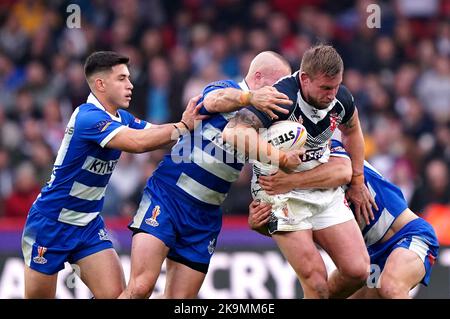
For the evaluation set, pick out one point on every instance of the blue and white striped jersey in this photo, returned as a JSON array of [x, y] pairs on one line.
[[76, 190], [389, 198], [201, 167]]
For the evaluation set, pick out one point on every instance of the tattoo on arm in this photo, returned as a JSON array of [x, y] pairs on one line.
[[350, 123], [245, 118]]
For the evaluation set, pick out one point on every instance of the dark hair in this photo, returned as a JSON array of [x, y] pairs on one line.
[[103, 60], [321, 59]]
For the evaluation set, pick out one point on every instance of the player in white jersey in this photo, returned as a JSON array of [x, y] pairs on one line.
[[179, 217], [64, 222], [402, 246], [321, 104]]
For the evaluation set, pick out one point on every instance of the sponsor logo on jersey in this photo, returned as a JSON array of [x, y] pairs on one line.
[[39, 259], [315, 115], [152, 220], [98, 166], [221, 84], [313, 154]]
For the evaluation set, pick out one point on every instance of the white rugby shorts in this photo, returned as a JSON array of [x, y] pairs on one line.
[[305, 209]]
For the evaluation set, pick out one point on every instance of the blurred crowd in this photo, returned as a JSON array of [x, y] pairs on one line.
[[399, 75]]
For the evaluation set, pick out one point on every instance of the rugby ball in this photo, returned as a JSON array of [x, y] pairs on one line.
[[286, 135]]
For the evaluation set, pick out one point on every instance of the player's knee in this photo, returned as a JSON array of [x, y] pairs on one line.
[[316, 282], [322, 290], [109, 293], [389, 289], [141, 287], [315, 288], [358, 271]]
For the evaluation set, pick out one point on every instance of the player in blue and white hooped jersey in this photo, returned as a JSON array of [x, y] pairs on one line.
[[322, 104], [402, 246], [64, 223], [179, 217]]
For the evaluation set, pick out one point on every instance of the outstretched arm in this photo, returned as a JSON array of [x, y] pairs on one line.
[[336, 172], [139, 141], [266, 99]]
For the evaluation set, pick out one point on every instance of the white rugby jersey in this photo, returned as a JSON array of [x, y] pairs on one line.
[[76, 190], [320, 124]]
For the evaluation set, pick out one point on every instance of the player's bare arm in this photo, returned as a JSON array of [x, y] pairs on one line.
[[358, 194], [242, 133], [139, 141], [266, 99], [336, 172]]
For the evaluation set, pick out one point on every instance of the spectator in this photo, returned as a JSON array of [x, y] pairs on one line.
[[399, 74], [434, 189], [24, 191]]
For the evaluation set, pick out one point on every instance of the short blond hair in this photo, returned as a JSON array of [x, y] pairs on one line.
[[322, 59]]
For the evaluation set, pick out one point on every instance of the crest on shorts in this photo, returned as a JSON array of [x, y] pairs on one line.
[[346, 203], [285, 211], [39, 259], [212, 246], [152, 220], [103, 234]]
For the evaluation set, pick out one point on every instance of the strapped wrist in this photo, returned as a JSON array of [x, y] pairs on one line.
[[282, 160], [185, 125], [245, 97], [180, 130], [357, 179]]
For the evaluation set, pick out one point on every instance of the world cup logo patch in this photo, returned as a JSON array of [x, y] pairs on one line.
[[39, 259], [152, 220]]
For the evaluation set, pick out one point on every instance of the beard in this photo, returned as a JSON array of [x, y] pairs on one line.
[[318, 105]]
